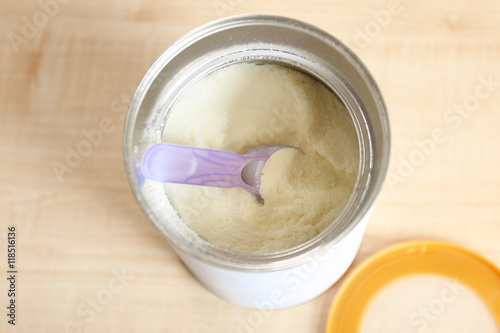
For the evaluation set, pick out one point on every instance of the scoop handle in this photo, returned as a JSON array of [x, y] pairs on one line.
[[171, 163]]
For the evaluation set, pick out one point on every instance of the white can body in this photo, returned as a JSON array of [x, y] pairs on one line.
[[296, 275]]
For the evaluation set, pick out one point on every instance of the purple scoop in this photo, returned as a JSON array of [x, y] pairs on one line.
[[164, 162]]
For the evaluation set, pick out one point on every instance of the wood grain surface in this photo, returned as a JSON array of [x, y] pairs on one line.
[[82, 237]]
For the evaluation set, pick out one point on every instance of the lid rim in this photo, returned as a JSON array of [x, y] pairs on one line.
[[412, 258]]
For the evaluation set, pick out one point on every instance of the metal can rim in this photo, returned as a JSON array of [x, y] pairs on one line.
[[303, 252]]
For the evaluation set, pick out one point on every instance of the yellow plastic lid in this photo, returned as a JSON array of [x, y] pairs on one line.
[[402, 260]]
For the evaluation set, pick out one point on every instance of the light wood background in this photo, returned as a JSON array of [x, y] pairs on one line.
[[85, 62]]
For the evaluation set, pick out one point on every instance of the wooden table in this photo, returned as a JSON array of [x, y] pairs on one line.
[[81, 237]]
